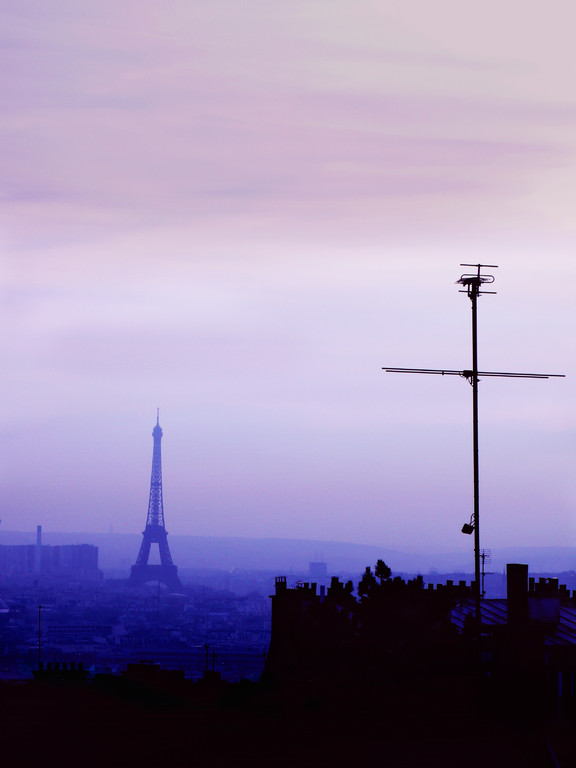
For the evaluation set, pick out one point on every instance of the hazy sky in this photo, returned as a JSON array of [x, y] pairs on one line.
[[239, 212]]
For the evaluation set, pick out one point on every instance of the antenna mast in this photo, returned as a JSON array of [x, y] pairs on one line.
[[472, 285]]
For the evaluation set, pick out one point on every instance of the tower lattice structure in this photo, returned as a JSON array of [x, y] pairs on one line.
[[155, 531]]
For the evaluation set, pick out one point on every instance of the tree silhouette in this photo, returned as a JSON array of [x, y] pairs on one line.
[[382, 571], [367, 583], [372, 584]]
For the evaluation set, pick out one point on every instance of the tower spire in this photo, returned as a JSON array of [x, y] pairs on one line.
[[155, 531]]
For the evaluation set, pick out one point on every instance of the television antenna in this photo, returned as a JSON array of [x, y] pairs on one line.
[[485, 557], [473, 284]]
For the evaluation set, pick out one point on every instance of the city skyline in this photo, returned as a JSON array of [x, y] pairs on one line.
[[239, 215]]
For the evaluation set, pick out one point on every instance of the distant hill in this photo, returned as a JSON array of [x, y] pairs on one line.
[[119, 550], [283, 556], [539, 559]]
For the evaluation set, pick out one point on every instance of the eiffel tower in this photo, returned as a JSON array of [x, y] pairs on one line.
[[155, 532]]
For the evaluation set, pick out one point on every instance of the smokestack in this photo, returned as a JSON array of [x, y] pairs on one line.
[[517, 592], [38, 555]]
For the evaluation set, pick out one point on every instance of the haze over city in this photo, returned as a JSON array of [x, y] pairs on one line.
[[238, 213]]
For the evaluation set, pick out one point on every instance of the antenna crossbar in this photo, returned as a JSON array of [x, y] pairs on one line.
[[468, 374]]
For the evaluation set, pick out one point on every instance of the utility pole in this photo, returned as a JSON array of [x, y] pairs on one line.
[[39, 638]]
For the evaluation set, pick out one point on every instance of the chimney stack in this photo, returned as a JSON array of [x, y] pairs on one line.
[[517, 592]]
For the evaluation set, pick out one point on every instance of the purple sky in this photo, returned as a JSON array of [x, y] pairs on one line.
[[239, 212]]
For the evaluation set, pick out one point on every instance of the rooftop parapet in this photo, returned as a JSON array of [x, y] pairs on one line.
[[460, 590]]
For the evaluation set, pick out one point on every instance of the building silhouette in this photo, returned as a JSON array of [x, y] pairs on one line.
[[395, 628], [72, 562], [522, 665], [155, 531]]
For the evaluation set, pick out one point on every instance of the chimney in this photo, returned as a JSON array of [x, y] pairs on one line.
[[517, 592]]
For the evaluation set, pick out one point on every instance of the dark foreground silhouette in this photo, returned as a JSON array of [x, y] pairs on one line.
[[393, 677], [444, 722]]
